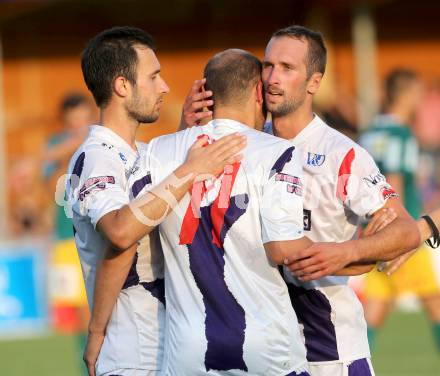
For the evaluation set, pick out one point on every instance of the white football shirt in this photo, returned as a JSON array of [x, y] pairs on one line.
[[105, 174], [342, 184], [228, 309]]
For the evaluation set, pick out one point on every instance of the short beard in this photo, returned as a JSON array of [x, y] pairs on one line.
[[285, 108], [289, 105], [133, 112], [142, 118]]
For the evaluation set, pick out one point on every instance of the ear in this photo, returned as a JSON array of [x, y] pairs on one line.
[[314, 83], [121, 86], [259, 92]]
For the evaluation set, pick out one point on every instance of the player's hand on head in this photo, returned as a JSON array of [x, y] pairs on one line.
[[195, 106], [208, 160], [380, 220], [319, 260], [92, 350]]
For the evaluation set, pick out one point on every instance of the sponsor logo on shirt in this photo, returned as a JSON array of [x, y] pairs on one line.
[[107, 146], [95, 183], [294, 189], [315, 159], [134, 169], [294, 186], [374, 179], [288, 178], [307, 215], [388, 192]]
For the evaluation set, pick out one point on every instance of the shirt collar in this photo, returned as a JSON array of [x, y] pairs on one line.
[[305, 133], [227, 123], [310, 128], [106, 134]]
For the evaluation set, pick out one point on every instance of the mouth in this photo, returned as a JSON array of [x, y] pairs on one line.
[[273, 93]]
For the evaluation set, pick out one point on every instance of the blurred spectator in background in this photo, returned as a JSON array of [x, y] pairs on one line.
[[31, 213], [427, 120], [340, 111], [67, 292], [427, 130], [391, 142]]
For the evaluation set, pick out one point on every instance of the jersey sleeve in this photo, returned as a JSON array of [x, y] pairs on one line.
[[282, 203], [97, 184], [361, 186]]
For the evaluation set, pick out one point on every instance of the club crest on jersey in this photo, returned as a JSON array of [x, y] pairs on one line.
[[315, 159], [123, 158]]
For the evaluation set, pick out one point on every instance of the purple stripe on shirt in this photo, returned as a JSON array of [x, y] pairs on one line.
[[359, 367]]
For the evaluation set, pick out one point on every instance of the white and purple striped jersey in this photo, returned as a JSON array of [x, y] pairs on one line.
[[105, 174], [228, 309], [342, 184]]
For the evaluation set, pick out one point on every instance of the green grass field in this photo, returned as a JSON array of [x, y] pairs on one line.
[[404, 348]]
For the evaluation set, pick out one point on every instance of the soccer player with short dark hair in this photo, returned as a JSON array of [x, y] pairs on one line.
[[115, 209]]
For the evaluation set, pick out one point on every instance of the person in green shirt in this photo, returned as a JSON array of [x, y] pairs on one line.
[[68, 298], [392, 144]]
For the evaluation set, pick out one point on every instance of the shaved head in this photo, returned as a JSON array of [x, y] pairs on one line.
[[231, 75]]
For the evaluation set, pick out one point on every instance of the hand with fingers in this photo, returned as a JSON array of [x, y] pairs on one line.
[[195, 107], [91, 352], [208, 160], [395, 264], [380, 220], [319, 260]]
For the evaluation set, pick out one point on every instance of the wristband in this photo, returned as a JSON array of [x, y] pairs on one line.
[[434, 240]]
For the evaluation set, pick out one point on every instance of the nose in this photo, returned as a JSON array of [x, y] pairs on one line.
[[273, 76], [164, 87]]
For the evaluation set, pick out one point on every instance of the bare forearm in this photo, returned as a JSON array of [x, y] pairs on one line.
[[352, 270], [110, 277], [398, 237], [141, 216], [279, 251]]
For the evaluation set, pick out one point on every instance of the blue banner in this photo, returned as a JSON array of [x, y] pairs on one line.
[[23, 295]]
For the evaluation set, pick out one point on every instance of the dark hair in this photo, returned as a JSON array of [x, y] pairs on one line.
[[316, 59], [396, 82], [71, 101], [230, 74], [111, 54]]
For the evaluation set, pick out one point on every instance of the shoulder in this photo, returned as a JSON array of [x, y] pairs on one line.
[[180, 136], [337, 142], [95, 154], [343, 149], [266, 140]]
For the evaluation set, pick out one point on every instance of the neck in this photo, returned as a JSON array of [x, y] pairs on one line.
[[242, 115], [117, 120], [401, 113], [290, 125]]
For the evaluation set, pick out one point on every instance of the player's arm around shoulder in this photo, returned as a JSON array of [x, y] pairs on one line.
[[362, 189], [373, 194], [126, 225]]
